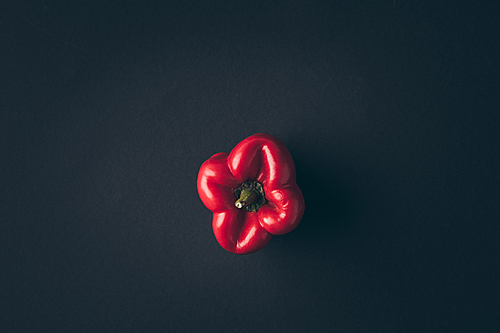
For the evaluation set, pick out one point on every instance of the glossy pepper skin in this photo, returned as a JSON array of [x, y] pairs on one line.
[[260, 158]]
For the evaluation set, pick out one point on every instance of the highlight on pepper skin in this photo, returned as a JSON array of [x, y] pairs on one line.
[[252, 193]]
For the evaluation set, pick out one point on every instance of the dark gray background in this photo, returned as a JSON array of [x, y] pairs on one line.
[[389, 108]]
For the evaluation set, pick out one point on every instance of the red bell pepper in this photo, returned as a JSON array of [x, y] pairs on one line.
[[252, 193]]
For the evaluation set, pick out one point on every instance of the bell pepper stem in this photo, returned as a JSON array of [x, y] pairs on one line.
[[247, 197]]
